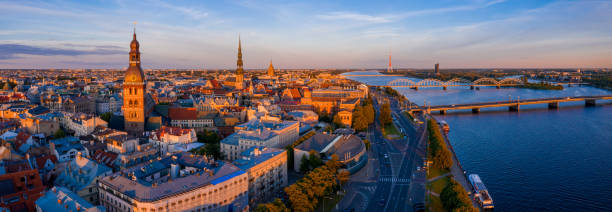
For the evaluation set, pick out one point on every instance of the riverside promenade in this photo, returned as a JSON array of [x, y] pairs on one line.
[[457, 171]]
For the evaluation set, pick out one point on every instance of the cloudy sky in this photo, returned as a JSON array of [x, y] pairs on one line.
[[308, 34]]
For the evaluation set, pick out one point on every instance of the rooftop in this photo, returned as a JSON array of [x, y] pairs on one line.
[[61, 199], [133, 182]]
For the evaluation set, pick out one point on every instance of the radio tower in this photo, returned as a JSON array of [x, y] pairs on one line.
[[390, 68]]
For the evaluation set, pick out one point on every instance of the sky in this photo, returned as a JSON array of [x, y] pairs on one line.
[[307, 34]]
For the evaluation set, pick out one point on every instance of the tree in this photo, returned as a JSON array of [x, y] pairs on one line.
[[314, 160], [455, 198], [59, 134], [385, 114], [338, 121], [106, 116], [343, 176], [304, 164], [369, 113], [360, 122], [367, 143], [276, 206]]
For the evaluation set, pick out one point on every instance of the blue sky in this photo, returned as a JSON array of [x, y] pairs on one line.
[[308, 34]]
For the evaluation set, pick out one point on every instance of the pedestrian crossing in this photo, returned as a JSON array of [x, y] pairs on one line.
[[393, 180]]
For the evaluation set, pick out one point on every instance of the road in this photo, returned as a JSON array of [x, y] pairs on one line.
[[400, 185]]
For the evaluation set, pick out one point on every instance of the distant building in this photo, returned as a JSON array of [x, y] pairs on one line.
[[20, 185], [181, 182], [131, 150], [60, 199], [271, 69], [66, 148], [82, 124], [437, 69]]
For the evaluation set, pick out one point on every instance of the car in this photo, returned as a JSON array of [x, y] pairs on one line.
[[418, 207], [381, 201], [386, 156]]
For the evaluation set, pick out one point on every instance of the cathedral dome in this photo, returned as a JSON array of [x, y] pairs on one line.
[[134, 74]]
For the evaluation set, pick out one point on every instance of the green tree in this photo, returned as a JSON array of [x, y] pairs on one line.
[[360, 122], [314, 160], [455, 198], [338, 122], [385, 114], [106, 116], [304, 164], [59, 134], [441, 156]]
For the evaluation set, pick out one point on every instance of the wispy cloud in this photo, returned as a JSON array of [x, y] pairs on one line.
[[9, 51], [350, 16], [191, 12]]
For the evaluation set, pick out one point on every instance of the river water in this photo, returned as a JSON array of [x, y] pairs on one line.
[[538, 159]]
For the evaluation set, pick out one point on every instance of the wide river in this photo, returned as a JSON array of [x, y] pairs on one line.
[[538, 159]]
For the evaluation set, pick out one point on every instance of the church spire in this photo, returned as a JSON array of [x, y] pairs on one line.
[[271, 69], [239, 63]]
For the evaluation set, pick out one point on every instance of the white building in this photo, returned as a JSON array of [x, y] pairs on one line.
[[82, 124], [260, 132], [173, 139]]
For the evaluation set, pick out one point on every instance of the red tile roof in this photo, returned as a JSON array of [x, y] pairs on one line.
[[40, 161], [180, 113]]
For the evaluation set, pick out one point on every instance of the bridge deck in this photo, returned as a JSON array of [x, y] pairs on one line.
[[512, 103]]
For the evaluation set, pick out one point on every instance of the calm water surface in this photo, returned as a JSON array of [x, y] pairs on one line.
[[536, 159]]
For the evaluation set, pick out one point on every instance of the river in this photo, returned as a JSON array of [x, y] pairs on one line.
[[538, 159]]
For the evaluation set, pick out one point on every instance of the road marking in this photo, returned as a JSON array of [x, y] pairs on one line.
[[394, 179]]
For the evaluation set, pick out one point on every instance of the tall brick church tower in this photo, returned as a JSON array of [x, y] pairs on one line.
[[134, 93]]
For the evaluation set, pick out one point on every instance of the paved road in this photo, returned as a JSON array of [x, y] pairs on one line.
[[399, 183]]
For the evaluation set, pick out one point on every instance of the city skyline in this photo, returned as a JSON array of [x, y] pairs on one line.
[[464, 34]]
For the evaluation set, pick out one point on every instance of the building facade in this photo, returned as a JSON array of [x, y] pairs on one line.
[[267, 171]]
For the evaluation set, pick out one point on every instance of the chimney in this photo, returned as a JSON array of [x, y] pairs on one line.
[[174, 171], [52, 147]]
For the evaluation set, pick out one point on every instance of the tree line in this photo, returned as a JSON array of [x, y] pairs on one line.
[[438, 150]]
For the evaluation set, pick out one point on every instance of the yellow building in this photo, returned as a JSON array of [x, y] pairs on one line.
[[134, 93], [346, 117]]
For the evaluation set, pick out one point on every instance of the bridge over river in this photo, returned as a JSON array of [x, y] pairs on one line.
[[513, 105]]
